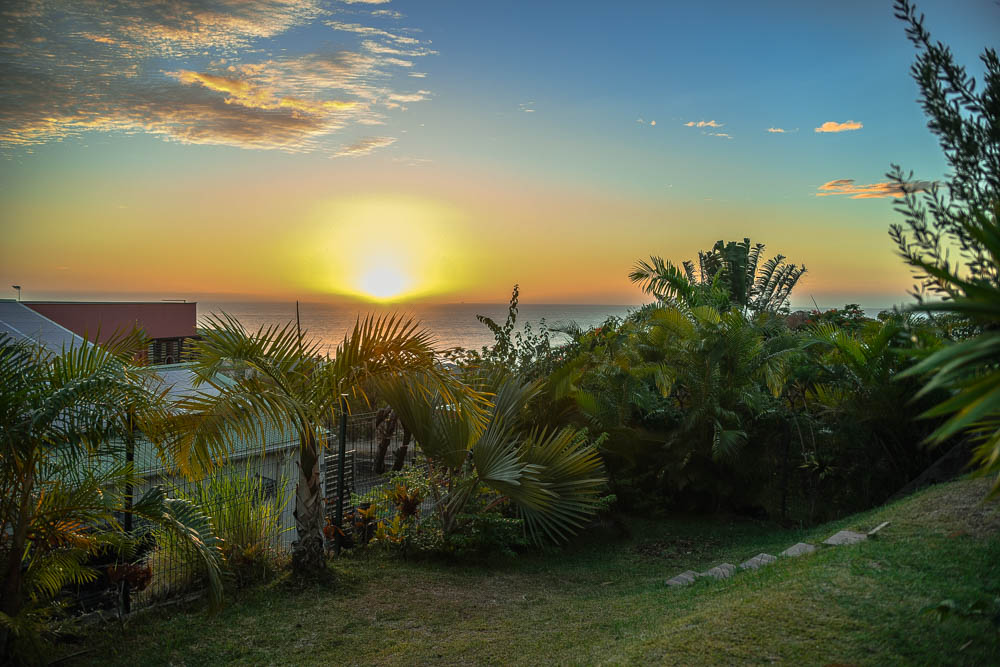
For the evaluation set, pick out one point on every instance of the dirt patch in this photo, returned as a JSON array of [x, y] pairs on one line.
[[955, 508], [676, 548]]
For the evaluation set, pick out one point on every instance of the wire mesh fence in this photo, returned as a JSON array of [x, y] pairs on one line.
[[251, 499]]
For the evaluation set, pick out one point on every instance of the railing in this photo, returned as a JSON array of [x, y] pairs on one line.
[[251, 499]]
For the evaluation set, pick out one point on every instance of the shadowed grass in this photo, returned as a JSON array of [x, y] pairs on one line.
[[605, 601]]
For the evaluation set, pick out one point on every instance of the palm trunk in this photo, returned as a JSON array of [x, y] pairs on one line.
[[11, 603], [385, 428], [308, 558], [404, 448]]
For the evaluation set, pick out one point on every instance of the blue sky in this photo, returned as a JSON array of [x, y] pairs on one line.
[[550, 144]]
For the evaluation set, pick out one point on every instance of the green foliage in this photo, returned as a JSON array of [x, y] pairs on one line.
[[966, 220], [551, 477], [487, 534], [247, 516], [282, 380], [61, 492], [851, 317], [525, 352], [394, 518], [857, 430], [984, 608], [708, 410], [729, 276]]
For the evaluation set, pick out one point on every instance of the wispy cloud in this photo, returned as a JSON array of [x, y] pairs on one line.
[[527, 107], [83, 67], [388, 13], [847, 187], [371, 31], [781, 130], [720, 134], [365, 146], [365, 2], [703, 123], [412, 161], [833, 126], [388, 49]]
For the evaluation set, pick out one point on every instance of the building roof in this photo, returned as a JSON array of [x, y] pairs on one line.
[[24, 324], [181, 380], [101, 320]]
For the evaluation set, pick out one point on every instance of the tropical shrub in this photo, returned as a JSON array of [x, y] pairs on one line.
[[965, 220], [64, 485], [284, 380], [851, 317], [247, 515], [713, 410], [857, 433], [551, 477], [524, 352]]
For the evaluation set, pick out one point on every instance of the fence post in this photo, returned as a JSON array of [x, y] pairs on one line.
[[341, 454], [126, 590]]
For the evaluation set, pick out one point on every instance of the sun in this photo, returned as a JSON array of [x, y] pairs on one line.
[[382, 280], [385, 248]]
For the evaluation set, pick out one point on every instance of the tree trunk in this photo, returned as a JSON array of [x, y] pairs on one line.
[[308, 557], [11, 603], [400, 459], [385, 428]]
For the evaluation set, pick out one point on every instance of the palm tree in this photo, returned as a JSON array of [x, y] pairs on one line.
[[730, 275], [721, 369], [856, 387], [679, 390], [62, 482], [553, 477], [279, 379]]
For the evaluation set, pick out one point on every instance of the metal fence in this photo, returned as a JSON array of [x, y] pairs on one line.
[[251, 499]]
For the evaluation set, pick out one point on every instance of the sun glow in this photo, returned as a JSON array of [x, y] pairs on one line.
[[383, 280], [387, 249]]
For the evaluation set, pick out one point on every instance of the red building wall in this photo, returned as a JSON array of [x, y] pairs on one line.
[[158, 320]]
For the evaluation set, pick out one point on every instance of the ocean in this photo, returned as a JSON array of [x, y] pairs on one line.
[[453, 325]]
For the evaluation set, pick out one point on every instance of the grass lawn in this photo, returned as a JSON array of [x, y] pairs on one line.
[[604, 600]]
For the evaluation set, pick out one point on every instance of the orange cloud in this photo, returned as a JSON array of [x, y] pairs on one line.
[[703, 123], [846, 186], [241, 91], [62, 80], [833, 126], [776, 130]]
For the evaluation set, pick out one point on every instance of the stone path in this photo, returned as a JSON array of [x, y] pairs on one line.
[[726, 570]]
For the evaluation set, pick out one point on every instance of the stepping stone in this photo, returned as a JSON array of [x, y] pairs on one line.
[[683, 579], [799, 549], [722, 571], [845, 537], [757, 561], [871, 533]]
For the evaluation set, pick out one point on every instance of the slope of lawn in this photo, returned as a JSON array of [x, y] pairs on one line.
[[604, 600]]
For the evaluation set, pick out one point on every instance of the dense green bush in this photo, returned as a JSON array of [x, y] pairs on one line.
[[716, 410], [245, 513], [393, 516]]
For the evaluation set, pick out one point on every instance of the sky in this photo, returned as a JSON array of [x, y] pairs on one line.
[[404, 151]]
